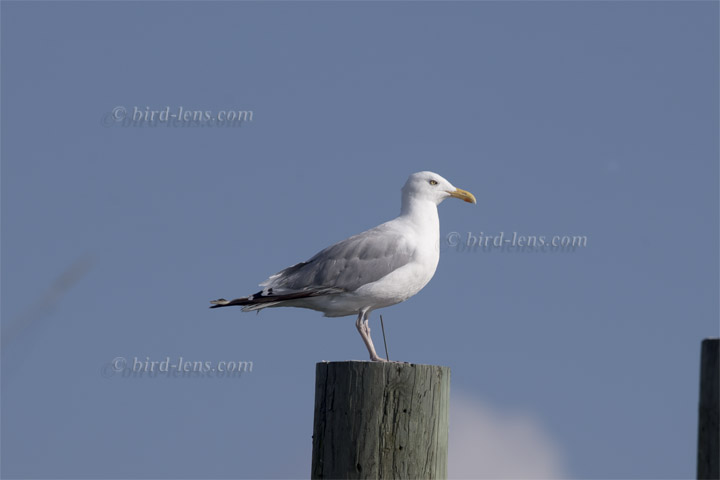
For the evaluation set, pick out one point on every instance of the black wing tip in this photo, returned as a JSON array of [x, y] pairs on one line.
[[220, 302], [259, 298]]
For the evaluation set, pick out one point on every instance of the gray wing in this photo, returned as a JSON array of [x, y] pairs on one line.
[[347, 265]]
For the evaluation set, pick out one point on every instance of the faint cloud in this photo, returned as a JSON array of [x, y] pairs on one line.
[[486, 442]]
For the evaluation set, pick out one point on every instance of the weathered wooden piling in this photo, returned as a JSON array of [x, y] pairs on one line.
[[708, 461], [377, 420]]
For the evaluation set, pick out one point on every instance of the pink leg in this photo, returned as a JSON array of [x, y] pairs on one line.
[[363, 327]]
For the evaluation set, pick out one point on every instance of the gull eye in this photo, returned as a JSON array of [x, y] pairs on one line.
[[433, 182]]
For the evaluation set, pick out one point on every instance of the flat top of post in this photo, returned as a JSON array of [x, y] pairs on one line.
[[368, 362]]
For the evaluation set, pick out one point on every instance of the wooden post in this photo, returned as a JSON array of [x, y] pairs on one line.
[[376, 420], [708, 461]]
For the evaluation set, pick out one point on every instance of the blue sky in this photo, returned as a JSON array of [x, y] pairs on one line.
[[597, 119]]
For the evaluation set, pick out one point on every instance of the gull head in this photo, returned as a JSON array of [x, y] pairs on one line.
[[433, 187]]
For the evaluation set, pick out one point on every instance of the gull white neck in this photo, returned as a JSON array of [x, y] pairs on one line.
[[422, 213]]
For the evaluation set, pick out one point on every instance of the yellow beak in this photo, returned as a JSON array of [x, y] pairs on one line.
[[463, 195]]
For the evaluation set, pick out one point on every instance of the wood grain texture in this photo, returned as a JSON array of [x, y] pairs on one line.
[[708, 462], [380, 420]]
